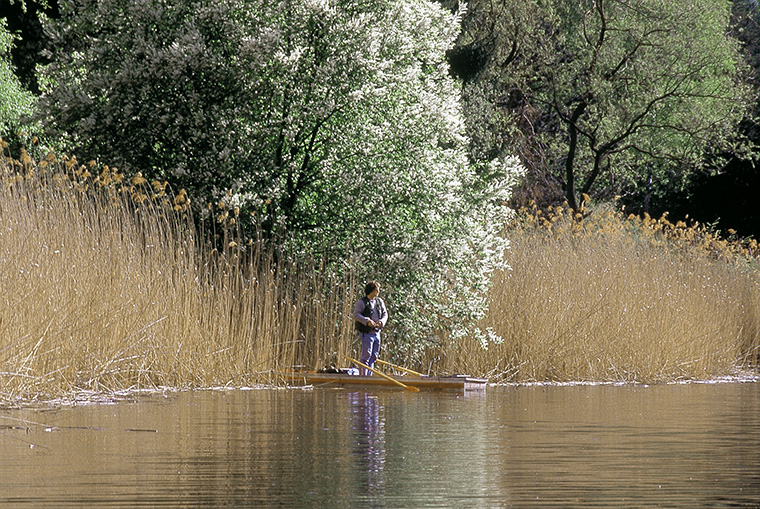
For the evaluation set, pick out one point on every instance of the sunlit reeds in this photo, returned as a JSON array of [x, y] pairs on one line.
[[610, 297], [107, 285]]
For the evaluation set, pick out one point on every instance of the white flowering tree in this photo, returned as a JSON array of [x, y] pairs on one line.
[[332, 125]]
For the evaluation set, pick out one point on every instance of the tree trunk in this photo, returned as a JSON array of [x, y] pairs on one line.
[[648, 194], [570, 161]]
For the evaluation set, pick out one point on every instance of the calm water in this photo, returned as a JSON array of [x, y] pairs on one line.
[[671, 446]]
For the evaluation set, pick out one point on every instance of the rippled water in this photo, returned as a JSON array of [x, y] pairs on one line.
[[670, 445]]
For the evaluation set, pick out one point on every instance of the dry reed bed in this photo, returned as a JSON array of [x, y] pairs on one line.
[[610, 298], [106, 286]]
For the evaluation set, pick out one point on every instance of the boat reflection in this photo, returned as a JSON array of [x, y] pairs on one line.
[[368, 422]]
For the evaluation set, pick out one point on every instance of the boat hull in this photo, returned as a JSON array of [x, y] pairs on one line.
[[458, 382]]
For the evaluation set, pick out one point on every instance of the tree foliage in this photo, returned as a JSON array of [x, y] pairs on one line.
[[23, 18], [331, 125], [746, 29], [15, 102], [605, 93]]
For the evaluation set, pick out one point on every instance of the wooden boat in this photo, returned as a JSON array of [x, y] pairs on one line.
[[346, 378]]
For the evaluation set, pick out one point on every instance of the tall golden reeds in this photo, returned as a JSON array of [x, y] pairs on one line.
[[615, 298], [107, 286]]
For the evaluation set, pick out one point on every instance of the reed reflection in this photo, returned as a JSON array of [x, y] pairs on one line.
[[369, 448]]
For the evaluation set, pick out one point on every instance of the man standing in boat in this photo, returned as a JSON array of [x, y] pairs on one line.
[[370, 316]]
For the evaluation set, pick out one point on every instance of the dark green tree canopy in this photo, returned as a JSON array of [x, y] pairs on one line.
[[604, 93]]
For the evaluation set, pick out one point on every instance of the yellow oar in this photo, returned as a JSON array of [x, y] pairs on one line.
[[399, 367], [379, 373]]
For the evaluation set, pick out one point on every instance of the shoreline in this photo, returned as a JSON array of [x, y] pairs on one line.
[[85, 398]]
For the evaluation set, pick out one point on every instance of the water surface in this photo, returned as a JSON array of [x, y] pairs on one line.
[[667, 446]]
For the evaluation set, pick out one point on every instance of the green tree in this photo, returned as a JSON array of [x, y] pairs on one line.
[[15, 102], [746, 28], [606, 94], [331, 125], [23, 18]]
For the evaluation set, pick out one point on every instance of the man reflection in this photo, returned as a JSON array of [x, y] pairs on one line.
[[369, 450]]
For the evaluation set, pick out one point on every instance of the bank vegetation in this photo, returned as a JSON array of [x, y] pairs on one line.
[[109, 285], [610, 296]]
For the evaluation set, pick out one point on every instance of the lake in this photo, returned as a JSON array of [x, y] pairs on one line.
[[685, 445]]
